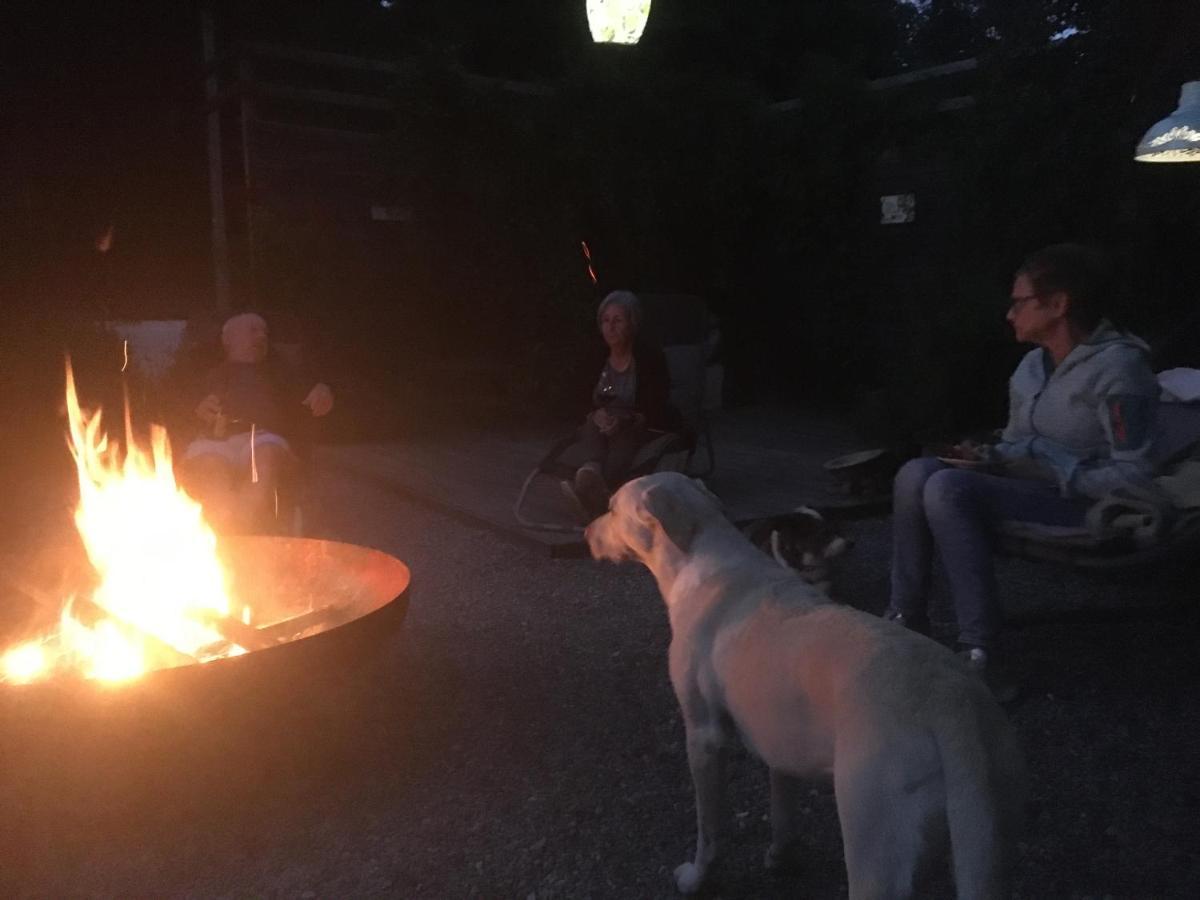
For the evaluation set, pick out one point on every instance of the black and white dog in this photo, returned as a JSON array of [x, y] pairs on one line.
[[802, 541]]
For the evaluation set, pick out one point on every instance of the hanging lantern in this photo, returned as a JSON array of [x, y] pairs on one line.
[[617, 21], [1177, 137]]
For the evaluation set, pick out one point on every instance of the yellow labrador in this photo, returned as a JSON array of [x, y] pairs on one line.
[[910, 736]]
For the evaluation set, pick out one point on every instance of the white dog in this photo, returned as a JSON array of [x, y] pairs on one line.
[[910, 736]]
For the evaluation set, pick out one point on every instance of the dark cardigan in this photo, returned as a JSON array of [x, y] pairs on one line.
[[652, 396]]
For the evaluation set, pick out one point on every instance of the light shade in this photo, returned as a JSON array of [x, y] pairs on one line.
[[1177, 137], [617, 21]]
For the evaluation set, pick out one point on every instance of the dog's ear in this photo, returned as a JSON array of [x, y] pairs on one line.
[[677, 521]]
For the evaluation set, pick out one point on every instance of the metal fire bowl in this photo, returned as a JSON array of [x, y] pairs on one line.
[[201, 735], [278, 577]]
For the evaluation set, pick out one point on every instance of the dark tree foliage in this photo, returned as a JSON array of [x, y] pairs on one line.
[[1057, 162], [661, 158], [666, 161], [668, 158], [944, 31]]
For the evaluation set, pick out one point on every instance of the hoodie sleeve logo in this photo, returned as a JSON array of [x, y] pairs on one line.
[[1129, 420]]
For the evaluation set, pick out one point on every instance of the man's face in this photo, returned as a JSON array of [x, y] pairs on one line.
[[246, 339]]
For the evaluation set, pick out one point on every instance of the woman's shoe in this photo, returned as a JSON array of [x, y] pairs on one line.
[[918, 623], [591, 490], [989, 670]]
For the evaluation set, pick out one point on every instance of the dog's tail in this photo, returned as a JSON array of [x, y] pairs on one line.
[[985, 800]]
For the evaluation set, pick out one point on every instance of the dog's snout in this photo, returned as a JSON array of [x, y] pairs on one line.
[[591, 532], [603, 539]]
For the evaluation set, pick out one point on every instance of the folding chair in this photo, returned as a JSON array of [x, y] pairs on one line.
[[679, 323], [199, 349], [1178, 439]]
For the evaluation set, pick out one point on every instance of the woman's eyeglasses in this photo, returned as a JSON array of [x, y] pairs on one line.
[[1019, 301]]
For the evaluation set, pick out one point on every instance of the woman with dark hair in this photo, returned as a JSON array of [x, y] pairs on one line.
[[631, 397], [1082, 406]]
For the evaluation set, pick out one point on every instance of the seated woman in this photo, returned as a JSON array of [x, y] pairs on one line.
[[1082, 406], [248, 407], [631, 397]]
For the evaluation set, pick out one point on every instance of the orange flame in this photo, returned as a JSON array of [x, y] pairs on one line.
[[161, 584]]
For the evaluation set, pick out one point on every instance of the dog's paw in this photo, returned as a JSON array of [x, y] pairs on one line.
[[688, 878], [783, 858]]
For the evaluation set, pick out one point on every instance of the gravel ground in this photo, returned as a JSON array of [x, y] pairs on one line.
[[520, 739]]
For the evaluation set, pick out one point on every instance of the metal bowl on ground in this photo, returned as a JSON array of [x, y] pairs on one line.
[[329, 608], [862, 478]]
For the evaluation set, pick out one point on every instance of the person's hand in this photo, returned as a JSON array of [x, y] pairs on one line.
[[601, 418], [319, 400], [606, 421], [971, 451], [209, 410]]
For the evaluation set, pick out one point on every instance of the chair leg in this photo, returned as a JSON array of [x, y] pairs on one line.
[[519, 510], [705, 440]]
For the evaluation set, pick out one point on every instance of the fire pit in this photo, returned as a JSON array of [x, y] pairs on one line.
[[152, 659], [300, 589], [161, 596], [212, 735]]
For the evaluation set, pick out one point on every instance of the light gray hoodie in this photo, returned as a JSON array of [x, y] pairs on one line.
[[1090, 420]]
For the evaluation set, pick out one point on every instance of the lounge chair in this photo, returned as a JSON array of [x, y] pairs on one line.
[[680, 324], [1127, 531]]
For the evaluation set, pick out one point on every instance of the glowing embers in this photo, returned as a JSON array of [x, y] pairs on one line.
[[617, 21]]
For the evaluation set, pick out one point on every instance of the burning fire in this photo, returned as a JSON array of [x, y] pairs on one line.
[[161, 598]]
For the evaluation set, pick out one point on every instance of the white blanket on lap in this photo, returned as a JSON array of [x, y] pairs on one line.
[[1170, 509]]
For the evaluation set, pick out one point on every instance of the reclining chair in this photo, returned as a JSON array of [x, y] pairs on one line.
[[199, 349], [1125, 534], [680, 324]]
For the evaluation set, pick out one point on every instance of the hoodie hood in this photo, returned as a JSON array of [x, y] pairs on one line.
[[1105, 339]]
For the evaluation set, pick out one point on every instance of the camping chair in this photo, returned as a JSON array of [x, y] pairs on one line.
[[199, 349], [680, 324], [1147, 541]]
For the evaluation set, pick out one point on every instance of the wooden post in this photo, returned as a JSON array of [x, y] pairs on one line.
[[216, 184], [246, 95]]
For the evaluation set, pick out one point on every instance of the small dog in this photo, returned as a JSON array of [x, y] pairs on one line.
[[911, 737], [802, 541]]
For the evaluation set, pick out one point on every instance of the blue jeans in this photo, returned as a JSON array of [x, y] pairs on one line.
[[957, 511]]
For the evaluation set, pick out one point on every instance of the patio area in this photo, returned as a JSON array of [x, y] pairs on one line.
[[768, 461], [521, 739]]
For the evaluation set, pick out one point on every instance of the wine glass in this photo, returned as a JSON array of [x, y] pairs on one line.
[[606, 391]]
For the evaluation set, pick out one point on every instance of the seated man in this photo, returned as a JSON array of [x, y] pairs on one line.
[[248, 404]]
